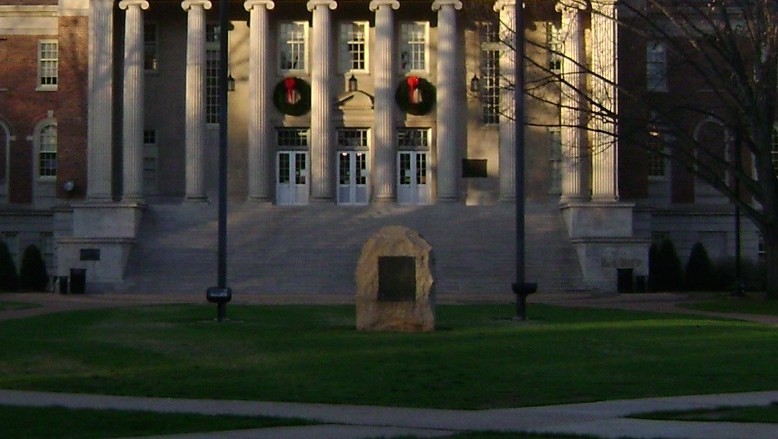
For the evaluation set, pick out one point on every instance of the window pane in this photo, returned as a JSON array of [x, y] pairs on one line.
[[150, 46], [413, 46], [292, 46], [353, 46], [47, 144], [48, 62]]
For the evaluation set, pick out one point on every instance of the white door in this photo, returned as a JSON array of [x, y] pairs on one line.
[[352, 178], [413, 187], [292, 178]]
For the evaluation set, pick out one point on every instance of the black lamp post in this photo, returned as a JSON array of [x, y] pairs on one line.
[[521, 288], [220, 294]]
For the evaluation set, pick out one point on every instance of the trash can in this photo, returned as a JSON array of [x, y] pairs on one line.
[[624, 280], [63, 284], [77, 280]]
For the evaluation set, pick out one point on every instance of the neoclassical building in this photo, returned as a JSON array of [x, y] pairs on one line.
[[349, 103]]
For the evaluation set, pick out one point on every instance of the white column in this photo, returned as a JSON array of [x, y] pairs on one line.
[[100, 114], [446, 106], [132, 141], [259, 97], [574, 152], [507, 126], [605, 101], [384, 140], [195, 98], [322, 135]]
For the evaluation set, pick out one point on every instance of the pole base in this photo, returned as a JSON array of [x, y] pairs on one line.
[[522, 290]]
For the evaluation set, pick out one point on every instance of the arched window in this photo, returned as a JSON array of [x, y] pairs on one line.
[[47, 150]]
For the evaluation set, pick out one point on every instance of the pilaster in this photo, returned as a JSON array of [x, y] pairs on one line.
[[195, 98], [384, 164], [132, 141], [259, 148], [446, 111], [322, 134], [507, 126], [604, 101], [575, 155], [100, 114]]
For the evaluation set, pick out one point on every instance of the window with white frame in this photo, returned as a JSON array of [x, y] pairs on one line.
[[656, 66], [354, 46], [47, 151], [489, 91], [150, 161], [413, 138], [48, 64], [150, 47], [554, 47], [212, 58], [655, 150], [353, 138], [414, 46], [293, 46], [292, 138]]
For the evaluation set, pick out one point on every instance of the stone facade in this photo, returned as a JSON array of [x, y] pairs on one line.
[[142, 134]]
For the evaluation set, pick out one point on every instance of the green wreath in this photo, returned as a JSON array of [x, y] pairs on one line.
[[292, 96], [415, 96]]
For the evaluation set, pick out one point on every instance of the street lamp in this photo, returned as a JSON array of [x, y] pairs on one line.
[[521, 288], [220, 294]]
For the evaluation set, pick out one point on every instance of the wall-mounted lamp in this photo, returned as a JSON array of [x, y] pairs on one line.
[[353, 85], [230, 82], [475, 84], [68, 186]]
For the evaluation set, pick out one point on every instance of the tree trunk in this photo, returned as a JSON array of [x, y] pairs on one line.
[[771, 262]]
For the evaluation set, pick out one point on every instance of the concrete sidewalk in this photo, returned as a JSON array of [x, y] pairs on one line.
[[606, 419]]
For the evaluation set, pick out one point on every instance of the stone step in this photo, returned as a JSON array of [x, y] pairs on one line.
[[314, 249]]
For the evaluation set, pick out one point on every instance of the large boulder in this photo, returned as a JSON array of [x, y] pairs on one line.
[[395, 282]]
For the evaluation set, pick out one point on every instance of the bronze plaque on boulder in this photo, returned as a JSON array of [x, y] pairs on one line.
[[395, 282], [396, 278]]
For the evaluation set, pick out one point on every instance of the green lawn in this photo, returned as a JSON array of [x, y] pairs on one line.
[[478, 357], [87, 424], [768, 414], [750, 304], [6, 305]]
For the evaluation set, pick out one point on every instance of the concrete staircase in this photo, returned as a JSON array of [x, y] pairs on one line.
[[314, 249]]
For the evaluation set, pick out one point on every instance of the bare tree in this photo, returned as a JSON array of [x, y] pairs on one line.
[[716, 65]]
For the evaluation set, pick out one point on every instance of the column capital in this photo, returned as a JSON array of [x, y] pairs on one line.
[[375, 4], [187, 4], [313, 4], [563, 5], [499, 5], [439, 4], [124, 4], [251, 4]]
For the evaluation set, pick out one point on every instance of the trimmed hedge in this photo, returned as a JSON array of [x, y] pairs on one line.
[[665, 272], [699, 270], [32, 273]]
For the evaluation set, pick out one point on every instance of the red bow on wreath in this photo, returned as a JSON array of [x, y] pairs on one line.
[[290, 85], [413, 85]]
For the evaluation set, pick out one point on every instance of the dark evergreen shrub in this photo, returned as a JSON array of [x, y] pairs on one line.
[[753, 274], [699, 270], [9, 281], [32, 273], [667, 268], [652, 251]]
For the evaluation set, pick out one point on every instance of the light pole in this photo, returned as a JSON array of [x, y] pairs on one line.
[[220, 294], [521, 288]]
